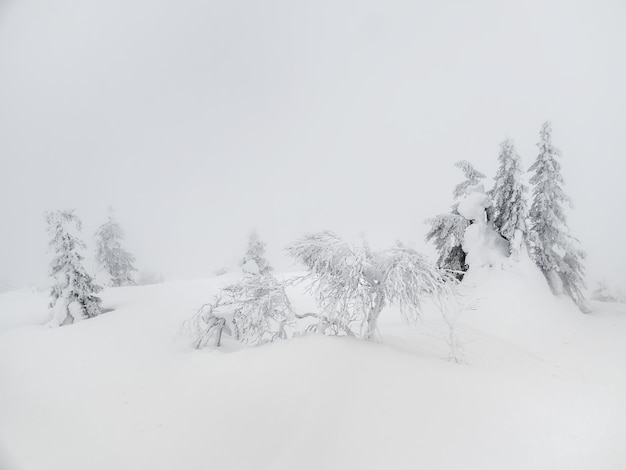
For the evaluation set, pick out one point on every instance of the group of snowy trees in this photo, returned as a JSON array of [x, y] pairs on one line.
[[541, 230], [352, 285], [73, 294]]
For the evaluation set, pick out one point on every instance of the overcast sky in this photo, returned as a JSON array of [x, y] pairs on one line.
[[199, 120]]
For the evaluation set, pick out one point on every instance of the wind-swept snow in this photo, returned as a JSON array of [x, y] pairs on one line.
[[544, 387]]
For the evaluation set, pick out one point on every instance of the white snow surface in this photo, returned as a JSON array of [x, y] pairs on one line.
[[543, 387]]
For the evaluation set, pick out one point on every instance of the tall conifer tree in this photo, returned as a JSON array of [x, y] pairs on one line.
[[73, 294], [510, 208], [110, 254], [553, 249]]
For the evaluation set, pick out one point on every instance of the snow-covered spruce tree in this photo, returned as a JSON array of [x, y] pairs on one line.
[[73, 295], [254, 261], [553, 249], [255, 310], [447, 230], [352, 285], [510, 209], [111, 256]]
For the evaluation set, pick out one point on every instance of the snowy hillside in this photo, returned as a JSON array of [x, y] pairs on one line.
[[543, 387]]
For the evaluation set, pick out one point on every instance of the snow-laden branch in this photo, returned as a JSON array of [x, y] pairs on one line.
[[255, 310]]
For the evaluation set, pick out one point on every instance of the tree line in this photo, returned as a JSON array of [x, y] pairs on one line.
[[353, 284]]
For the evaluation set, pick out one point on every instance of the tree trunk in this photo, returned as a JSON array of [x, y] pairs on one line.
[[374, 313], [555, 282]]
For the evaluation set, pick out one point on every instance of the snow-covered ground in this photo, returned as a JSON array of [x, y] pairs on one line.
[[543, 387]]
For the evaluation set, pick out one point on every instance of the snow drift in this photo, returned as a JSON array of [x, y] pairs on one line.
[[544, 387]]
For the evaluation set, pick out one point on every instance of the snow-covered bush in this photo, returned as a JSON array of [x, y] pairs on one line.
[[352, 285], [73, 294], [255, 310], [606, 293], [111, 256], [447, 230], [553, 249], [208, 324], [510, 209]]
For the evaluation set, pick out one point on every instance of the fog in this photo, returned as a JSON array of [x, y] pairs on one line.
[[199, 120]]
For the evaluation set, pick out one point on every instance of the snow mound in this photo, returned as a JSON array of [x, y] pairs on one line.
[[484, 247], [482, 244], [473, 205]]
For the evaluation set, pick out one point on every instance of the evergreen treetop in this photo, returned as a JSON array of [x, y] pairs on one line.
[[472, 178]]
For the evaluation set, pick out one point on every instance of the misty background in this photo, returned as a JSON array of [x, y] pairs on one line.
[[200, 120]]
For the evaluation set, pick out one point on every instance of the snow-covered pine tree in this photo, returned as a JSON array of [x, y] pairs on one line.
[[510, 209], [553, 249], [447, 230], [254, 261], [354, 284], [73, 295], [111, 256]]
